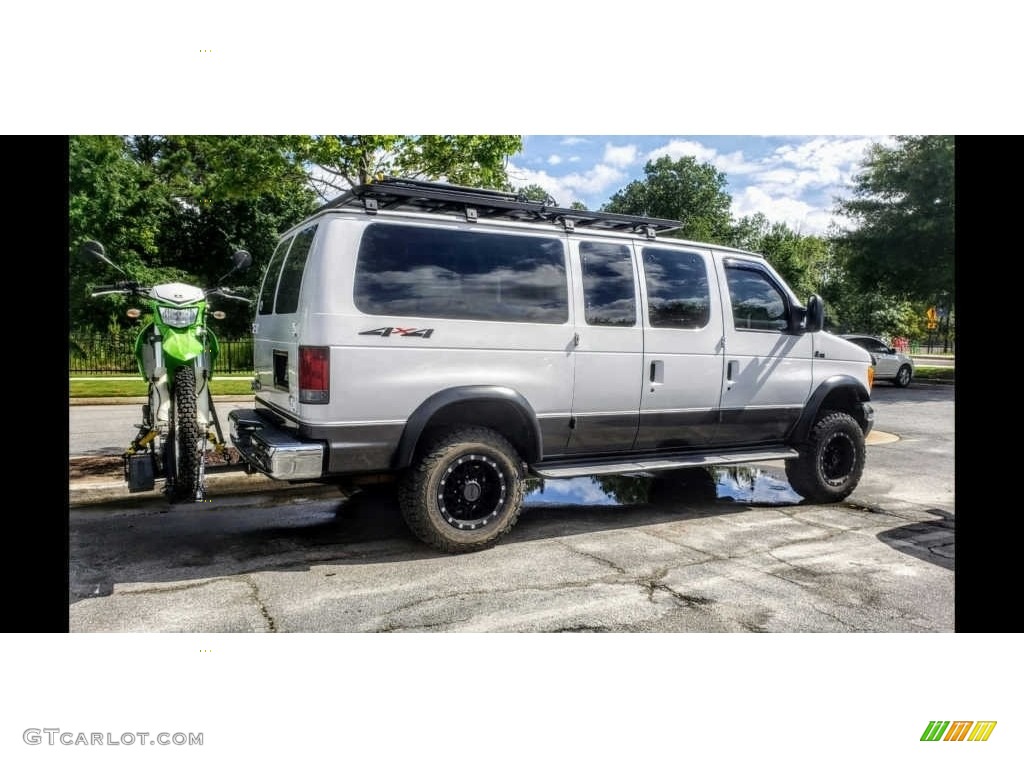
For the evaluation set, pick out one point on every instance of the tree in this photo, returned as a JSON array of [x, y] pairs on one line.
[[684, 190], [337, 163], [902, 207], [114, 200], [534, 192]]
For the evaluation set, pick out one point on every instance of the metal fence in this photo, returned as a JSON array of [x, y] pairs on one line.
[[114, 354]]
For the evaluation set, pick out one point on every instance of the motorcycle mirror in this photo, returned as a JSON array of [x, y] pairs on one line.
[[93, 250], [90, 249], [219, 314], [241, 260]]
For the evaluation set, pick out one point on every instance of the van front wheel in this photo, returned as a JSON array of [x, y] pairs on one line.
[[831, 461], [464, 492]]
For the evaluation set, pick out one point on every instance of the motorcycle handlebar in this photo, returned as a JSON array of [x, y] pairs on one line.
[[125, 286]]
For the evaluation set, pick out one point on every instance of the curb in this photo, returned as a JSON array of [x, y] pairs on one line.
[[107, 489]]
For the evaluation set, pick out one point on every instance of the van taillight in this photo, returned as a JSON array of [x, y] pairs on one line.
[[314, 374]]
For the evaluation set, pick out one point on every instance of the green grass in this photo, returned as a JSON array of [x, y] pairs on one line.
[[137, 388], [934, 373]]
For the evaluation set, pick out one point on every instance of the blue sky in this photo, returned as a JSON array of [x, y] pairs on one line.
[[794, 179]]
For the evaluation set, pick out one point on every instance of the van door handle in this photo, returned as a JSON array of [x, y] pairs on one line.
[[657, 373], [731, 371]]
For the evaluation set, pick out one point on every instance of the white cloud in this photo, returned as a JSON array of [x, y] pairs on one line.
[[554, 159], [571, 186], [681, 148], [822, 161], [575, 159], [571, 140], [799, 215], [799, 181], [733, 162], [619, 156], [791, 210]]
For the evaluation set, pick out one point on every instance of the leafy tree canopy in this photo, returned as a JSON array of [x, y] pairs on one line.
[[903, 209], [684, 190], [336, 163], [534, 192]]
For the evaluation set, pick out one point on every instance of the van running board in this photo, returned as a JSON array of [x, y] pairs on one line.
[[562, 468]]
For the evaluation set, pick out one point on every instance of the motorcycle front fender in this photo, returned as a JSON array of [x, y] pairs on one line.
[[181, 346]]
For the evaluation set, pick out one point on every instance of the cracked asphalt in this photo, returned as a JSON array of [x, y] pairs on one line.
[[267, 558]]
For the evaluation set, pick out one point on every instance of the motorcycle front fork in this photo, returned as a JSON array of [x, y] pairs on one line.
[[156, 417]]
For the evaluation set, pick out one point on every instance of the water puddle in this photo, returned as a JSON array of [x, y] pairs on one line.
[[748, 485]]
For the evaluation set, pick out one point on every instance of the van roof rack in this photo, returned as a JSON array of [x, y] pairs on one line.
[[432, 196]]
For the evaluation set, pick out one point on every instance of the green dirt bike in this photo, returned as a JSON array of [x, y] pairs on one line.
[[176, 353]]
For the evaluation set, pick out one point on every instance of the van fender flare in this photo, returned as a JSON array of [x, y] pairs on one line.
[[844, 388], [500, 408]]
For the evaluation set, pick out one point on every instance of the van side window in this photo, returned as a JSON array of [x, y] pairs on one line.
[[757, 305], [266, 305], [291, 272], [678, 295], [609, 295], [431, 272]]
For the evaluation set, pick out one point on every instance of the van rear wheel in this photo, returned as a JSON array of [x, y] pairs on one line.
[[464, 492]]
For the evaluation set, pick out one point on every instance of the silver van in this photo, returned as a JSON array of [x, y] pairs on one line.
[[457, 340]]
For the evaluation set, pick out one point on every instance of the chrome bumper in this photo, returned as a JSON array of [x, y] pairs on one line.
[[270, 448]]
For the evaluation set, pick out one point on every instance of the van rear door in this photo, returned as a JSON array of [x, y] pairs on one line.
[[275, 336]]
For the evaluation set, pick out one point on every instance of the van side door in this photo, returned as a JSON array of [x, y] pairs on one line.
[[768, 366], [608, 354], [683, 352]]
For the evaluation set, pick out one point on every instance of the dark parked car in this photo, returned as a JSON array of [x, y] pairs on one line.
[[890, 364]]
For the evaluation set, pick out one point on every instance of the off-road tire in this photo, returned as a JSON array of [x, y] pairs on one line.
[[831, 460], [186, 446], [464, 491], [903, 376]]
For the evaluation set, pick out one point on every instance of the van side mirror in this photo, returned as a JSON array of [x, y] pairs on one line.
[[815, 314]]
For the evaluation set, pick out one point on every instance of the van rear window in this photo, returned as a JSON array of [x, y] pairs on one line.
[[291, 272], [266, 303], [428, 272]]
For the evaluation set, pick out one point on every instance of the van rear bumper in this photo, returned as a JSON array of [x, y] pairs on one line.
[[267, 446]]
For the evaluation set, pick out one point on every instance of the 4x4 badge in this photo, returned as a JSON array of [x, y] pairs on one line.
[[423, 333]]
